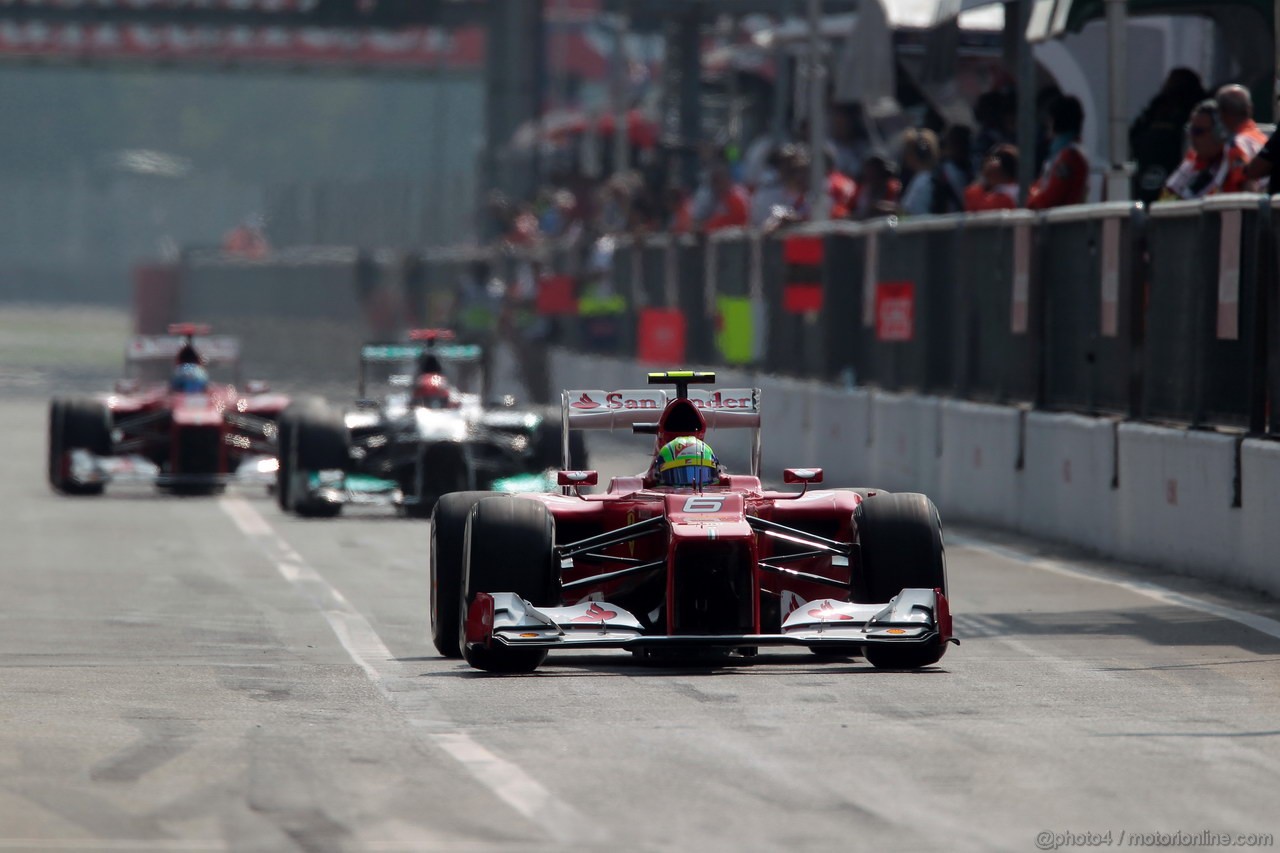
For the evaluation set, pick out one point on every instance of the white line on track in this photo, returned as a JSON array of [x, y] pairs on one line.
[[1263, 624], [506, 780]]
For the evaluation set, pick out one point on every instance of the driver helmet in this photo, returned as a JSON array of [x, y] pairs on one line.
[[686, 461], [189, 379], [432, 390]]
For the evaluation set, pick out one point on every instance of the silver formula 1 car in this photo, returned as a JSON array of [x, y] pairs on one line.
[[430, 432]]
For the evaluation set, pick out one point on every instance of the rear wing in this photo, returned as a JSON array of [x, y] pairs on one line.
[[371, 354], [215, 349], [410, 352], [722, 408]]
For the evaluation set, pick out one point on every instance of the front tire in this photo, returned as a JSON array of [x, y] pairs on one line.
[[76, 425], [900, 547], [448, 538], [509, 547], [313, 437]]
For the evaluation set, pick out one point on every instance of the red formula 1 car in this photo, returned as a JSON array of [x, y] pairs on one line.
[[167, 423], [717, 566]]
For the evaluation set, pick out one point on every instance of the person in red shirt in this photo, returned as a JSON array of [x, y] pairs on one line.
[[840, 187], [731, 207], [1215, 164], [878, 190], [247, 240], [997, 186], [1065, 179]]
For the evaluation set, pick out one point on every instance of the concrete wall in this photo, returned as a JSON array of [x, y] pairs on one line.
[[1198, 503]]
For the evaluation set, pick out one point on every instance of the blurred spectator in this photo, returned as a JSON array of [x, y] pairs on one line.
[[1156, 135], [728, 204], [955, 171], [795, 189], [247, 240], [1235, 106], [679, 211], [878, 189], [1065, 178], [771, 191], [996, 115], [614, 212], [1214, 164], [919, 158], [1263, 166], [848, 134], [1045, 99], [840, 187], [514, 224], [997, 186], [523, 229]]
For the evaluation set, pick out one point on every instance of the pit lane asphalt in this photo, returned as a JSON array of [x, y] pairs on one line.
[[207, 674]]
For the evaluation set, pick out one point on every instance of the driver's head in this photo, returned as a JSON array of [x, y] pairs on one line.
[[686, 461], [189, 379], [433, 391]]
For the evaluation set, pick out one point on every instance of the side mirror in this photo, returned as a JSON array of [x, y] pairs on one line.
[[802, 475], [577, 478], [257, 386]]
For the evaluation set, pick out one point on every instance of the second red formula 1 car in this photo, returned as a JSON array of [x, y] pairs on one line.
[[167, 423], [686, 559]]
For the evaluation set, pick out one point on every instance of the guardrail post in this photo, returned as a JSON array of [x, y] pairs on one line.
[[1263, 271]]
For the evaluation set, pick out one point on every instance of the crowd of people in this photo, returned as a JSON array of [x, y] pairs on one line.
[[1188, 145]]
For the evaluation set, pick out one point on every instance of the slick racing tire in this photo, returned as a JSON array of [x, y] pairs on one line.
[[284, 447], [76, 425], [286, 432], [900, 542], [548, 452], [443, 468], [313, 437], [448, 534], [509, 547]]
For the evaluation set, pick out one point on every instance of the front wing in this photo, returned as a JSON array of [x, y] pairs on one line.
[[912, 617], [86, 468]]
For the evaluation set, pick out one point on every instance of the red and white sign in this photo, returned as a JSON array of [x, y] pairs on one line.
[[895, 310], [736, 399], [592, 401]]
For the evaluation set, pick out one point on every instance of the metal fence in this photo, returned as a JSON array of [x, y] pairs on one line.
[[1167, 315]]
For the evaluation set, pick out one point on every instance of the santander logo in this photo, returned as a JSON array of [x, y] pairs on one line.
[[584, 402], [595, 613]]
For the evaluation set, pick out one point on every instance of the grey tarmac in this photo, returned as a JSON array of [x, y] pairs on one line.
[[208, 674]]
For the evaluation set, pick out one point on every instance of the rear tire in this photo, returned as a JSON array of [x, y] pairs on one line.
[[900, 547], [443, 469], [313, 437], [549, 453], [509, 547], [76, 425]]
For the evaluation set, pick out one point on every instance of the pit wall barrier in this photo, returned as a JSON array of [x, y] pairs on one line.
[[1194, 502], [1168, 314]]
